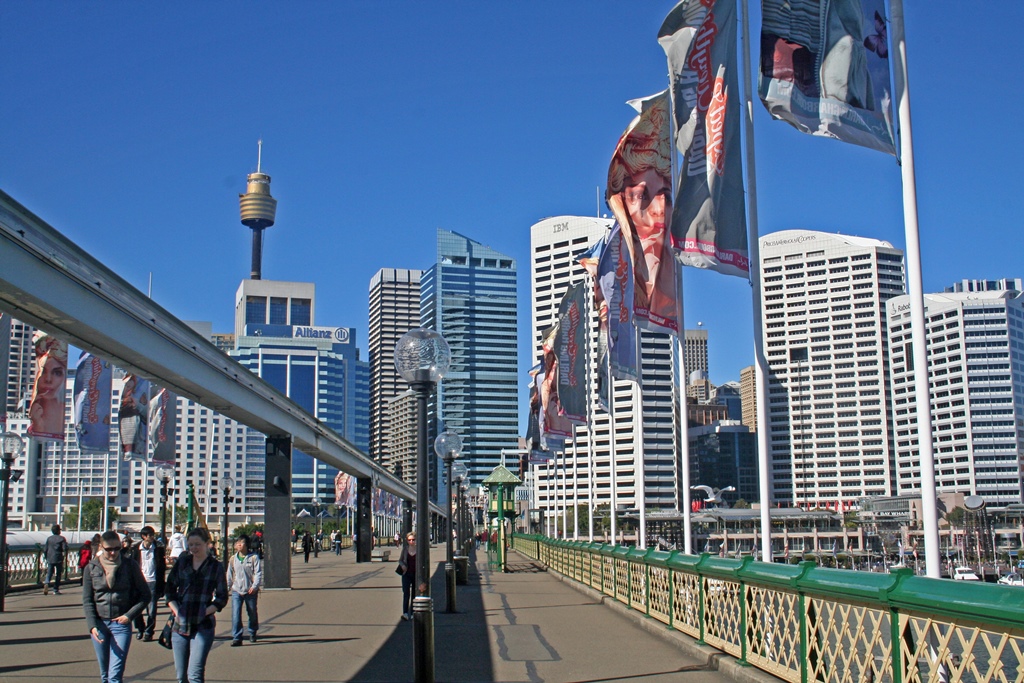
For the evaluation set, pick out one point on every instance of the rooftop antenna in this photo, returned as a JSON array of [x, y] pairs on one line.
[[258, 210]]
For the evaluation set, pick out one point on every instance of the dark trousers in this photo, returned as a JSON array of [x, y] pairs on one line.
[[146, 621], [306, 553], [408, 581], [53, 574]]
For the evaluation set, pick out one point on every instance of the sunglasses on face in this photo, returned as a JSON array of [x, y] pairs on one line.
[[112, 550]]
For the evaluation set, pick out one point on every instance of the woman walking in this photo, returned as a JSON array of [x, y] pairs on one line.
[[113, 594], [196, 590], [407, 563]]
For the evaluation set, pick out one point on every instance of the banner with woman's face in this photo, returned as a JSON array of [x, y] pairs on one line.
[[46, 410], [639, 194]]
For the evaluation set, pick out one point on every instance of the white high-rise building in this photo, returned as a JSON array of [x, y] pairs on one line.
[[555, 245], [975, 337], [829, 424]]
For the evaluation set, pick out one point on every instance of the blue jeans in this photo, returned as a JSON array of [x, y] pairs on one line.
[[408, 581], [113, 651], [237, 599], [190, 654], [53, 574]]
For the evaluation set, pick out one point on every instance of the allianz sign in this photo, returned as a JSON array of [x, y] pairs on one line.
[[338, 334]]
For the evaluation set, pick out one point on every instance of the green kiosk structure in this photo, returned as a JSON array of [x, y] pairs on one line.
[[501, 485]]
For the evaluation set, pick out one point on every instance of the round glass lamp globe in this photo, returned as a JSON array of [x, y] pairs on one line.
[[164, 473], [422, 355], [226, 484], [12, 445], [459, 471], [448, 445]]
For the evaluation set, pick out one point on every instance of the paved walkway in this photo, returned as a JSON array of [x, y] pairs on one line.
[[341, 622]]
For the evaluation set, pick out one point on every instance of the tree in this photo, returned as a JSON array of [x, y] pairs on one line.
[[741, 504], [92, 515], [956, 516]]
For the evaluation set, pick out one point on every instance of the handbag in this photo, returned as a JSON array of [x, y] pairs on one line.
[[165, 634], [400, 569]]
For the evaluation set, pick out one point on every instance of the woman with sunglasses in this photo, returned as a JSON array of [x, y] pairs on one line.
[[196, 590], [114, 592]]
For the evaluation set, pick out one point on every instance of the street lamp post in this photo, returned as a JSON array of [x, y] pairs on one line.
[[225, 484], [164, 473], [422, 357], [448, 445], [12, 445], [459, 473], [316, 527]]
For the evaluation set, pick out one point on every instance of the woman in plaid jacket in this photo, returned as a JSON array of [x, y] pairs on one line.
[[196, 590]]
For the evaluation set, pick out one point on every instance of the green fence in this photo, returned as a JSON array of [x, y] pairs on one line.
[[26, 568], [805, 623]]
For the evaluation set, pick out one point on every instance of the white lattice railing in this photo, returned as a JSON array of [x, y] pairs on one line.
[[804, 623]]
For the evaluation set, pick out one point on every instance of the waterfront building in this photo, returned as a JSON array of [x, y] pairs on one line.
[[975, 338], [825, 334], [748, 396]]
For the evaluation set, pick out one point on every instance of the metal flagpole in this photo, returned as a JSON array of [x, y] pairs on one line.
[[760, 363], [614, 502], [106, 490], [145, 490], [639, 458], [575, 486], [591, 503], [918, 332]]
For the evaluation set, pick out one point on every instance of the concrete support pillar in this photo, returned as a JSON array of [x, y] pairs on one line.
[[277, 505], [364, 519]]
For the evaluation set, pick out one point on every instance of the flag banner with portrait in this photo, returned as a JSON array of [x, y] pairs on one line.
[[615, 281], [554, 426], [94, 378], [46, 408], [591, 261], [709, 223], [825, 69], [570, 349], [5, 359], [639, 193], [344, 489], [163, 427], [132, 418]]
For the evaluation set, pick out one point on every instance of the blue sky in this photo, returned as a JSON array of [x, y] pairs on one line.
[[130, 127]]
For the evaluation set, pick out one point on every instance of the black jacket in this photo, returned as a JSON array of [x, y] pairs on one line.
[[128, 597], [159, 562]]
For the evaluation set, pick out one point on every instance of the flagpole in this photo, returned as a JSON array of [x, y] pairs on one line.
[[638, 444], [922, 391], [106, 490], [753, 247], [575, 485], [591, 503], [614, 479]]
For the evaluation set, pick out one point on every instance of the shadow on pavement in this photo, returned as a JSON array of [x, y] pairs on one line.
[[462, 651]]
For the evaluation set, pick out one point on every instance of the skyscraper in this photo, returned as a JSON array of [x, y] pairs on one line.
[[394, 310], [469, 297], [695, 348], [825, 333], [317, 367], [555, 245], [975, 337]]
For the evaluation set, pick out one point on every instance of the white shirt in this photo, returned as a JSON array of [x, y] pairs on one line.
[[177, 544], [146, 560]]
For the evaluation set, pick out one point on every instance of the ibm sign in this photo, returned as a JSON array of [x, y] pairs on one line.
[[337, 334]]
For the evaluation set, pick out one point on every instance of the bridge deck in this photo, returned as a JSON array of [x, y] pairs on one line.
[[341, 622]]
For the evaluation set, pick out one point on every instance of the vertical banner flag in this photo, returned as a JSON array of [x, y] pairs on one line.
[[163, 427], [555, 428], [572, 361], [639, 194], [533, 430], [94, 379], [709, 224], [132, 416], [825, 69], [590, 260], [46, 409], [615, 278], [342, 489], [5, 359]]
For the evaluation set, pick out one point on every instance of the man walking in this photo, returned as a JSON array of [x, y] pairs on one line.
[[245, 577], [150, 558], [56, 550]]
